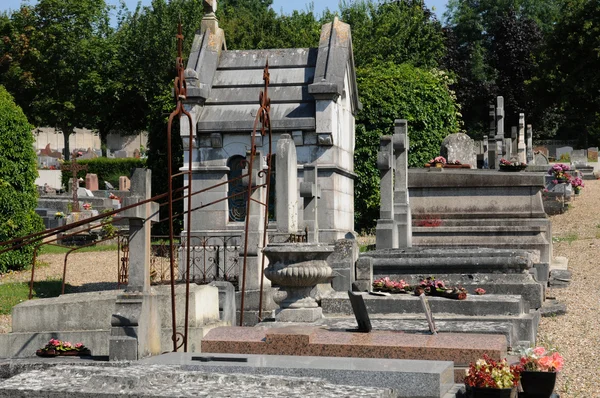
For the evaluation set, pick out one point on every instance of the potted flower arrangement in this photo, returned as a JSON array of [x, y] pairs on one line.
[[539, 371], [488, 378], [388, 285], [62, 348], [511, 165], [559, 172], [87, 206], [59, 215], [577, 183]]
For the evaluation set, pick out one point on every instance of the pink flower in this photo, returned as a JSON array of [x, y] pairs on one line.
[[54, 342], [539, 351], [67, 344], [78, 345], [480, 291], [557, 362]]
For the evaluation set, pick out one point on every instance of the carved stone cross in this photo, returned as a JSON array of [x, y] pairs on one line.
[[74, 168]]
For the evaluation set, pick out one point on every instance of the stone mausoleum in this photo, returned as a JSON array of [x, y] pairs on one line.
[[313, 98]]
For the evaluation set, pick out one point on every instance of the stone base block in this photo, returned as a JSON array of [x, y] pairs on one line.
[[24, 344], [299, 314]]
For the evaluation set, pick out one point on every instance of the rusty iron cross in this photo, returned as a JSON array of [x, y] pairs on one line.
[[74, 168]]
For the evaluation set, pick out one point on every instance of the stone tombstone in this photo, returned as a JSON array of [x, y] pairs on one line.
[[91, 182], [539, 158], [89, 154], [459, 147], [286, 181], [579, 157], [592, 154], [508, 151], [563, 154], [120, 154], [514, 142], [124, 183], [499, 130]]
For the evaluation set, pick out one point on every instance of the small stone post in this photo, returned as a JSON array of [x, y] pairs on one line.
[[311, 192], [522, 148], [286, 181], [386, 232], [529, 144], [402, 214], [135, 323], [499, 129]]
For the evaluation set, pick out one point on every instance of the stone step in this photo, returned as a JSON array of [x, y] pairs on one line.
[[338, 303]]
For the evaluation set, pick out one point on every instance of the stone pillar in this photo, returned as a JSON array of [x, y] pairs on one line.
[[492, 136], [255, 244], [386, 232], [401, 202], [522, 148], [311, 192], [286, 181], [529, 144], [499, 130], [135, 323], [486, 164], [124, 183], [514, 142]]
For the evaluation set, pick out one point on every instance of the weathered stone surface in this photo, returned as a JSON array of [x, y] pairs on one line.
[[164, 381], [461, 147]]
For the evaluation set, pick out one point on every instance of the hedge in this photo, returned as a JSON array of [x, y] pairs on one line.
[[107, 169]]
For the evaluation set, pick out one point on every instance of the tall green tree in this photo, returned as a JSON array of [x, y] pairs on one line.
[[397, 31], [57, 56], [18, 171]]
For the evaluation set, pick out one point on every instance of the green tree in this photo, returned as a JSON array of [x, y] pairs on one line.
[[18, 171], [397, 31], [568, 83], [57, 64], [388, 92]]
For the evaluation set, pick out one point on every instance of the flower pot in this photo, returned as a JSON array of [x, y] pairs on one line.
[[538, 384], [480, 392]]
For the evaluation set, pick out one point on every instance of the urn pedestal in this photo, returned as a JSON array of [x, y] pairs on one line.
[[296, 268]]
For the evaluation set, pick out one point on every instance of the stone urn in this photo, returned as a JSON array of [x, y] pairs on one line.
[[297, 268]]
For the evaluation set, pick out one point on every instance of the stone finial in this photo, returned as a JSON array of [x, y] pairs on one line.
[[210, 6], [209, 21]]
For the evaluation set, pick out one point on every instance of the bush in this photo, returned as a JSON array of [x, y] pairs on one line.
[[389, 92], [107, 170], [18, 171]]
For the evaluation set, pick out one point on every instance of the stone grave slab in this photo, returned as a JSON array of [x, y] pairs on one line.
[[563, 154], [459, 147], [592, 154]]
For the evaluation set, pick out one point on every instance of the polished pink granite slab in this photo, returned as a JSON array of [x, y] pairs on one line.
[[314, 341]]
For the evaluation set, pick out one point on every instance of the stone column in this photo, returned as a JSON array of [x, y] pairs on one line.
[[522, 148], [529, 144], [492, 136], [255, 244], [311, 192], [286, 181], [402, 215], [499, 130], [386, 232], [514, 142], [135, 324]]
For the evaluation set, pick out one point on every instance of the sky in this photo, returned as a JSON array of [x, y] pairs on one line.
[[287, 6]]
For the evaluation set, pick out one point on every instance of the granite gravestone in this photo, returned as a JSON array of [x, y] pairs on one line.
[[459, 147], [563, 154], [579, 157]]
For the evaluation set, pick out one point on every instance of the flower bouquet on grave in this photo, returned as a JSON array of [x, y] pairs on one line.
[[539, 368], [439, 161], [490, 378], [559, 172], [433, 287], [62, 348], [577, 184], [388, 285], [87, 206], [59, 215], [511, 165]]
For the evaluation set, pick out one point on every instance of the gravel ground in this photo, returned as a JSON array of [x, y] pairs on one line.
[[576, 335]]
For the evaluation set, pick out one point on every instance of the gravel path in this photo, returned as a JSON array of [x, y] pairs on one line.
[[576, 335]]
